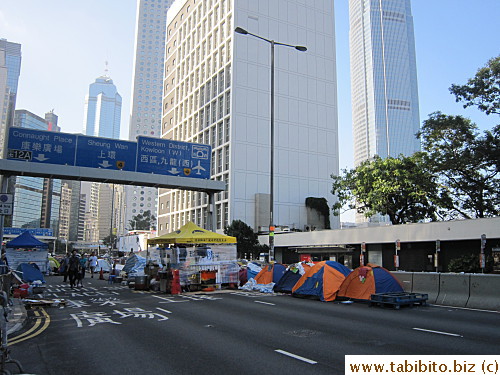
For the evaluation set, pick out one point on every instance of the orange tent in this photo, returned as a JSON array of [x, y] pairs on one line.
[[270, 274], [322, 280], [367, 280]]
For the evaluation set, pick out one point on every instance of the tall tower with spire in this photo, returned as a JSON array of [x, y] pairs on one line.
[[103, 106], [102, 118]]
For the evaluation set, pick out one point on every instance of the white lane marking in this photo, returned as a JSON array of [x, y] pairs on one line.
[[265, 303], [438, 332], [465, 308], [310, 361], [165, 311]]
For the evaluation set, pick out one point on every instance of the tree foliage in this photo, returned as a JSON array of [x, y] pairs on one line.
[[248, 242], [469, 264], [466, 163], [145, 221], [401, 188], [483, 90], [110, 241]]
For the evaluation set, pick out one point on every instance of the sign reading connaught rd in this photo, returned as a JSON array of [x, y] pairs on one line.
[[147, 155]]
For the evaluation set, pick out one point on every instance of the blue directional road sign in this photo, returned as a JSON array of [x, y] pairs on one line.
[[173, 158], [40, 146], [105, 153]]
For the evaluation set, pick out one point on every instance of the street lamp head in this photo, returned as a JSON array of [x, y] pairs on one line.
[[301, 48], [240, 30]]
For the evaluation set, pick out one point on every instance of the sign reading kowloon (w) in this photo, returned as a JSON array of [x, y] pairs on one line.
[[148, 155]]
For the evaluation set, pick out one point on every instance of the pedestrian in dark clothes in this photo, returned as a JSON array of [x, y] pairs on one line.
[[73, 269], [63, 268]]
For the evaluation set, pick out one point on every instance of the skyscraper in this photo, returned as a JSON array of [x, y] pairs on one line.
[[103, 106], [146, 103], [102, 118], [217, 92], [10, 68], [36, 200], [384, 93]]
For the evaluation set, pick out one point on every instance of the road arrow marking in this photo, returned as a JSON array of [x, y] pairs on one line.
[[41, 157]]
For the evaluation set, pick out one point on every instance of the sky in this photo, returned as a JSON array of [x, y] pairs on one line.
[[65, 45]]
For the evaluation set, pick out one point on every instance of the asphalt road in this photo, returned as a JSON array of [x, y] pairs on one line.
[[111, 329]]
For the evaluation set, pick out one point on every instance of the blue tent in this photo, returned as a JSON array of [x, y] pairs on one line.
[[25, 240], [30, 272], [291, 276]]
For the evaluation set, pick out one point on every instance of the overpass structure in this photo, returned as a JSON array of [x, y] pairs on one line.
[[67, 172], [23, 168]]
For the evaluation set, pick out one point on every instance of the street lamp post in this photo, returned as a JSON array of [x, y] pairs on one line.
[[273, 43]]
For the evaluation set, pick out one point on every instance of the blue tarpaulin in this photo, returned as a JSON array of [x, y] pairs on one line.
[[25, 240], [30, 272]]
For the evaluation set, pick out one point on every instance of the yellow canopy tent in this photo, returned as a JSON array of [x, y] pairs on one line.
[[190, 233]]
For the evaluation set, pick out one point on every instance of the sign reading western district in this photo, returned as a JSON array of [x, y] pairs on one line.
[[105, 153], [40, 146], [174, 158]]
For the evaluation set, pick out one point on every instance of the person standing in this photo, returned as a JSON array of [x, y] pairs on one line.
[[63, 268], [73, 269], [84, 260], [92, 264]]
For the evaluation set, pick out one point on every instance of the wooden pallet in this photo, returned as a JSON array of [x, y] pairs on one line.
[[398, 299]]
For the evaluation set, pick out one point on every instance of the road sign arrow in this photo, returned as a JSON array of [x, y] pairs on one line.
[[174, 171], [105, 164], [41, 157]]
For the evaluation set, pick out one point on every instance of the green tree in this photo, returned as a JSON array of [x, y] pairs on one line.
[[483, 90], [248, 242], [110, 241], [145, 221], [467, 164], [401, 188]]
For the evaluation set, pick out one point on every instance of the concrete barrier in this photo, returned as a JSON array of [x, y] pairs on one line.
[[453, 289], [424, 282], [484, 292], [405, 279]]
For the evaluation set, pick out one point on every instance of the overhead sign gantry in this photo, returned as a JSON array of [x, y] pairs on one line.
[[149, 162]]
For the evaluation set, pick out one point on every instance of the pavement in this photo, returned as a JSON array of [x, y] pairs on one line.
[[17, 316]]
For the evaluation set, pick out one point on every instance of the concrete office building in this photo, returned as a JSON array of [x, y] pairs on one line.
[[145, 114], [217, 92], [384, 93]]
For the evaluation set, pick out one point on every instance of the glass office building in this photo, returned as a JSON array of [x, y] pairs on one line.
[[10, 67], [102, 117], [103, 108], [36, 200], [384, 95]]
